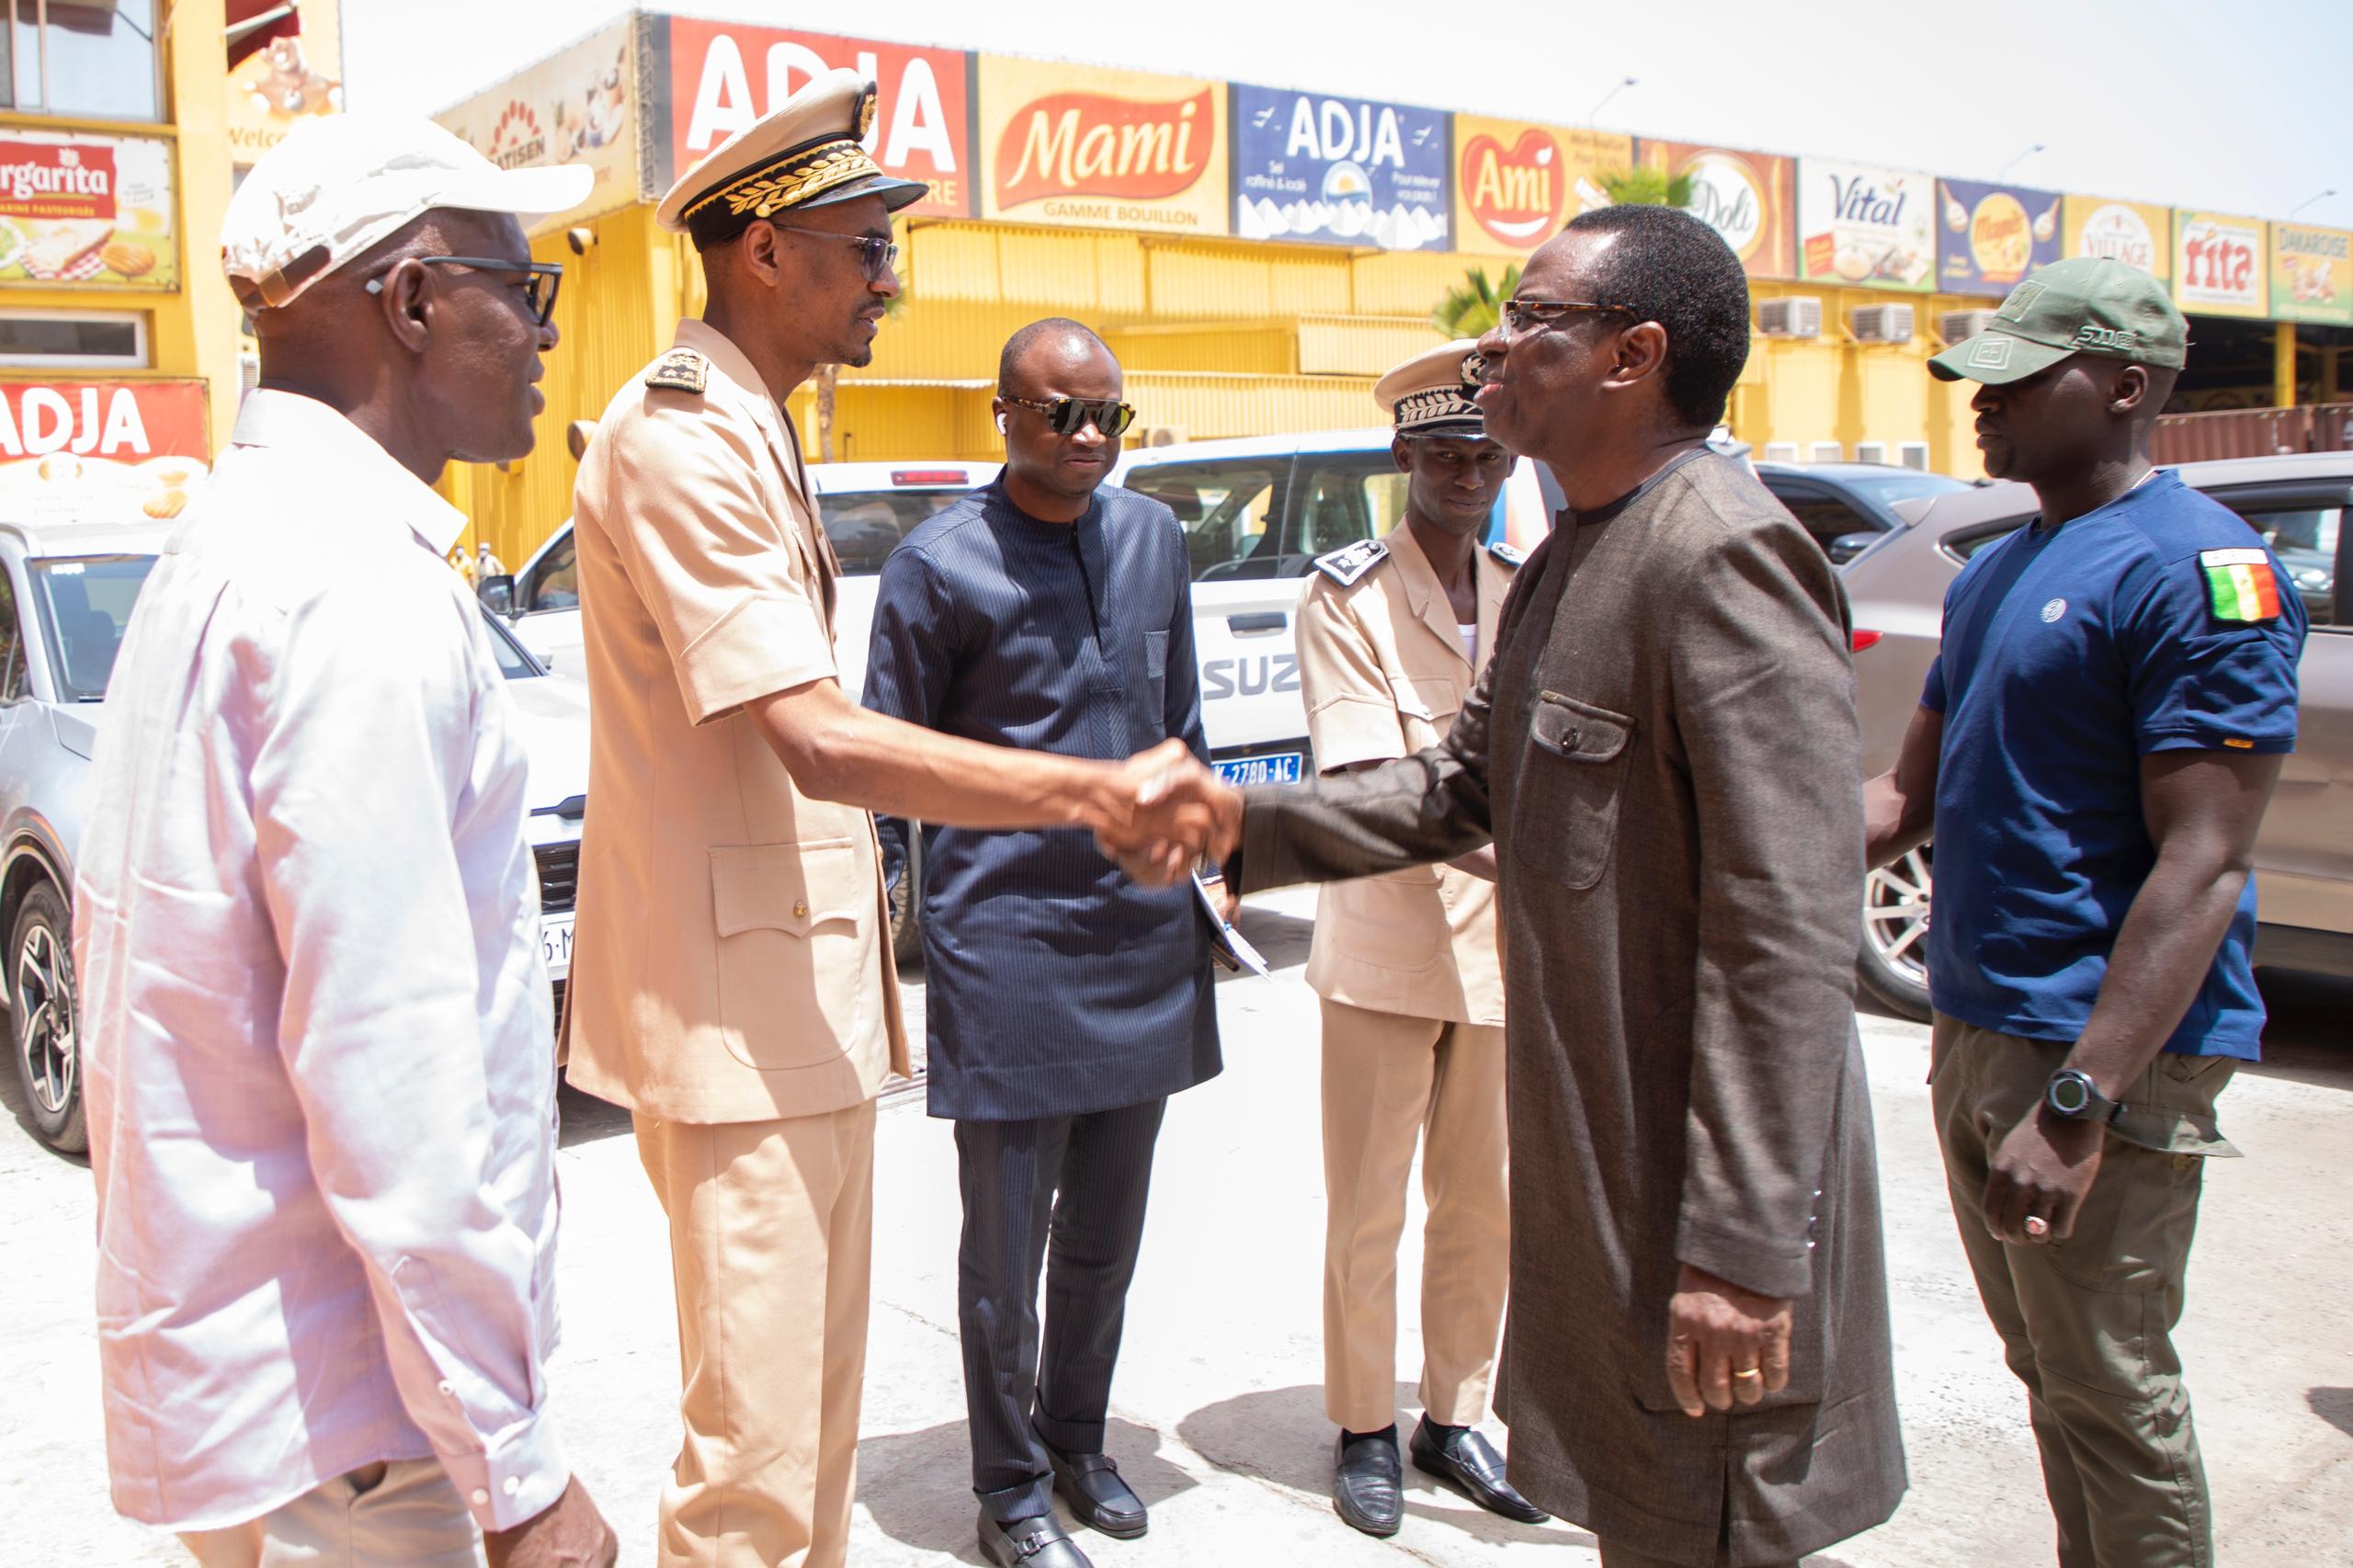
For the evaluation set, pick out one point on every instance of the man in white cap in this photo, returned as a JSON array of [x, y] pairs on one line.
[[732, 983], [322, 1096], [1393, 635]]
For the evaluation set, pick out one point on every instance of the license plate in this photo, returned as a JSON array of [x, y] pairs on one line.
[[555, 944], [1279, 767]]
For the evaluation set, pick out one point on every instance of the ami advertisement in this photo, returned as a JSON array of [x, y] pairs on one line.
[[2311, 274], [1337, 171], [1744, 196], [2219, 265], [1990, 236], [1516, 182], [577, 107], [79, 209], [1865, 226], [723, 75], [1089, 148], [2134, 233], [120, 450]]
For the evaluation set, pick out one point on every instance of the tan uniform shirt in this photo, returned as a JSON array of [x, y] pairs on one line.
[[732, 960], [1381, 663]]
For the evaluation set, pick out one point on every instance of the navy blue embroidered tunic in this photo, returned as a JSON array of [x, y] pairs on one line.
[[1057, 985]]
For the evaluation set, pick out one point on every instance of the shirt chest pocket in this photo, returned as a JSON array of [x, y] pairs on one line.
[[1425, 708], [1155, 676], [1566, 816], [795, 929]]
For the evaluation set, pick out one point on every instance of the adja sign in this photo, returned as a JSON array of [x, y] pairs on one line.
[[120, 421]]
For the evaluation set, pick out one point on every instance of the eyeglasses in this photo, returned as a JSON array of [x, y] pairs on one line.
[[1523, 315], [876, 256], [541, 279], [1069, 416]]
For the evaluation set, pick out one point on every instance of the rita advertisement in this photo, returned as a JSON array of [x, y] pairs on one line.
[[1337, 171], [1990, 236], [1516, 183], [723, 76], [1744, 196], [2219, 268], [1102, 149], [2130, 231], [1866, 227]]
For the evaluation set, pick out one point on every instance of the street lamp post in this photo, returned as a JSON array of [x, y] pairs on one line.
[[1593, 118], [2307, 201], [2014, 163]]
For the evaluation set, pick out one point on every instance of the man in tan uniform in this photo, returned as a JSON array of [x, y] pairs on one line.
[[1392, 633], [732, 983]]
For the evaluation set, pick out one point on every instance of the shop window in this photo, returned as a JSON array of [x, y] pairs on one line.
[[75, 339], [94, 58], [1870, 451], [1827, 452], [1913, 455]]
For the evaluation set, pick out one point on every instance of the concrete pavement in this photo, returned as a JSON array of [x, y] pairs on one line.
[[1218, 1417]]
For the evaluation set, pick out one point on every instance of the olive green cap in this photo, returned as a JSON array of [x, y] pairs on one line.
[[2084, 305]]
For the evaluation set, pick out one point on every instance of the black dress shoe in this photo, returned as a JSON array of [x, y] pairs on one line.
[[1368, 1482], [1040, 1542], [1463, 1460], [1090, 1484]]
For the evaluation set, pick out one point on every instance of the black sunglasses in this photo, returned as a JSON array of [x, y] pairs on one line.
[[1069, 416], [1525, 315], [876, 256], [541, 279]]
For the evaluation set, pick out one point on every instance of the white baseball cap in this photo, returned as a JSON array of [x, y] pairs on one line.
[[341, 182]]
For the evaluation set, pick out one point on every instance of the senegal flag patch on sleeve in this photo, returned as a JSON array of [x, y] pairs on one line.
[[2240, 586]]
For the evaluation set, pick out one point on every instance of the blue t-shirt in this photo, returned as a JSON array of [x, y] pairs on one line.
[[2068, 654]]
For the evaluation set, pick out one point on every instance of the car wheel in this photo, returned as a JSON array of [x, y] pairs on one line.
[[42, 1016], [1893, 965], [906, 903]]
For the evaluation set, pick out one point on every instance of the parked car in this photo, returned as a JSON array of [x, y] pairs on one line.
[[1846, 506], [2304, 853], [66, 591]]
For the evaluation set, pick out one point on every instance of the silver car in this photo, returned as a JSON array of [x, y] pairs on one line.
[[65, 594], [2303, 855]]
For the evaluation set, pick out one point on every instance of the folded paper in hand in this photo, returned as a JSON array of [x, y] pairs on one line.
[[1228, 947]]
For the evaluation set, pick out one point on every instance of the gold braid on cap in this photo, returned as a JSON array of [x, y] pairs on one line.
[[761, 192]]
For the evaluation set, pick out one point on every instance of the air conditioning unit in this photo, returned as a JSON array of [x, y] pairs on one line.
[[1955, 325], [1793, 315], [1780, 451], [1155, 436], [1883, 323], [1827, 452], [1912, 454], [1870, 451]]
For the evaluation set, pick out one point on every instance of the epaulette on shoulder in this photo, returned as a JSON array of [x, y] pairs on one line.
[[1509, 554], [1348, 563], [681, 370]]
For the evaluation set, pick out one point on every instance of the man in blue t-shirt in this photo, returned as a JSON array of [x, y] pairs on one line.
[[2094, 749]]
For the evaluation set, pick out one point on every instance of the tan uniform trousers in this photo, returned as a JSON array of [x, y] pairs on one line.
[[1390, 1080], [2088, 1324], [771, 1242], [404, 1514]]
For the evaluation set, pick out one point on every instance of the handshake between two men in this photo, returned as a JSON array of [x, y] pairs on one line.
[[1165, 812]]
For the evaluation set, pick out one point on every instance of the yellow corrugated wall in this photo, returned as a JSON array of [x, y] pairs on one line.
[[1361, 346]]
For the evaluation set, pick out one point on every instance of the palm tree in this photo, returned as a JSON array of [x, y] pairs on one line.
[[1473, 310], [1648, 186], [828, 375]]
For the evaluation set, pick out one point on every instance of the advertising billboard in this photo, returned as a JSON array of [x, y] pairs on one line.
[[1990, 236], [77, 209], [1864, 226], [285, 66], [576, 107], [2221, 267], [1744, 196], [724, 75], [1337, 171], [2130, 231], [1516, 182], [103, 450], [1102, 149], [2311, 274]]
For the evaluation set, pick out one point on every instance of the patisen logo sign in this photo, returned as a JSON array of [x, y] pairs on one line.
[[1096, 144], [517, 141]]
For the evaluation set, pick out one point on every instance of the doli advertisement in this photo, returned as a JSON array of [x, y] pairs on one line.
[[1744, 196], [115, 451], [1337, 171], [78, 209], [1102, 149], [1516, 182], [2311, 274], [2219, 268], [1864, 226], [1990, 236], [2133, 233], [285, 66], [723, 75], [579, 107]]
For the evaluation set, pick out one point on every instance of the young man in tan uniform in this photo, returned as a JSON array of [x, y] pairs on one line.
[[732, 985], [1392, 633]]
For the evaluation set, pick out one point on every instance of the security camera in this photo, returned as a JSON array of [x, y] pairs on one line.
[[580, 237]]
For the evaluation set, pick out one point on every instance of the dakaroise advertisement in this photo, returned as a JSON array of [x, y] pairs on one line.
[[1337, 171], [1516, 182], [2219, 268], [580, 107], [1744, 196], [724, 75], [1100, 149], [1990, 236], [2133, 233], [2311, 274], [1865, 226], [79, 209]]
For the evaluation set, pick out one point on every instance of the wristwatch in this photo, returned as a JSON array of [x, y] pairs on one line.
[[2070, 1094]]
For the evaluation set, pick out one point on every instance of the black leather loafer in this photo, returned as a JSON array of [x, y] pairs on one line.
[[1090, 1484], [1469, 1463], [1367, 1483], [1041, 1542]]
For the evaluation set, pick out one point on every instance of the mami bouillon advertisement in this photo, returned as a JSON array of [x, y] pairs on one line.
[[1092, 148]]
